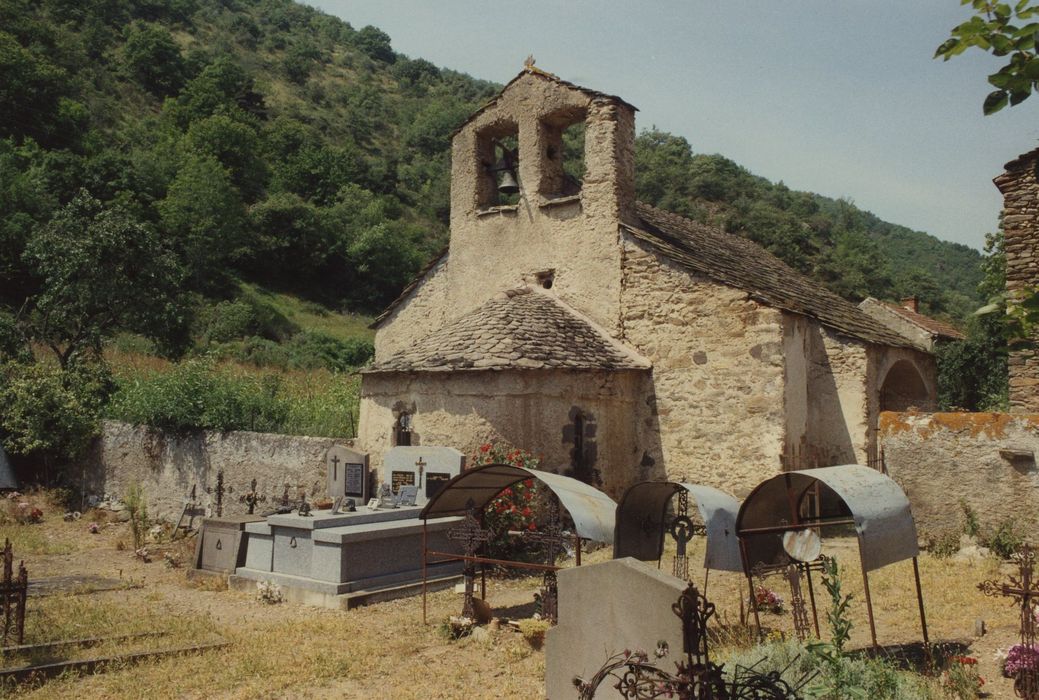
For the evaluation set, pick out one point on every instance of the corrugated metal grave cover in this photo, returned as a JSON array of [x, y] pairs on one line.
[[640, 523], [591, 510], [877, 504]]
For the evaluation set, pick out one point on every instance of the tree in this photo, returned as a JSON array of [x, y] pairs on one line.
[[1006, 32], [153, 59], [205, 219], [100, 271]]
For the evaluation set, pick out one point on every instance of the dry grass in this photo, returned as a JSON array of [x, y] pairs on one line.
[[384, 650]]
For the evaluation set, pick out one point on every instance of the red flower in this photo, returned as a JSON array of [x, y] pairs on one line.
[[485, 447], [532, 527]]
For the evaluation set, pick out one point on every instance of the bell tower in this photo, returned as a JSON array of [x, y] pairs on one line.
[[541, 178]]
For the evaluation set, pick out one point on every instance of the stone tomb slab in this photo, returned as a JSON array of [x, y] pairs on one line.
[[328, 557], [348, 473], [218, 548], [428, 468]]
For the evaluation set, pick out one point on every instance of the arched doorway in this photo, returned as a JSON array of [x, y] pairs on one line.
[[904, 388]]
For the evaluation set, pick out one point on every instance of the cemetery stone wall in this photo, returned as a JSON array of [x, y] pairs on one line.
[[986, 460], [167, 466]]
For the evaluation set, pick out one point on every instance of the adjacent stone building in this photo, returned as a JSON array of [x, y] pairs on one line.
[[906, 319], [1020, 187], [618, 341]]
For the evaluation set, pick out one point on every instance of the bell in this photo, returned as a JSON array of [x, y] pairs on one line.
[[508, 184]]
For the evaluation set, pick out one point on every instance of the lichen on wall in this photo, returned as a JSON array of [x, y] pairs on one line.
[[984, 460]]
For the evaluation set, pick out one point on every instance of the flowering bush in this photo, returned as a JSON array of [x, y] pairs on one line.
[[516, 508], [26, 513], [93, 528], [1020, 658], [961, 679], [767, 600]]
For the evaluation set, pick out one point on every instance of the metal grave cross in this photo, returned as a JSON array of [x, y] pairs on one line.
[[797, 602], [471, 535], [335, 467], [220, 491], [1024, 590], [550, 535], [421, 470], [682, 529], [252, 498]]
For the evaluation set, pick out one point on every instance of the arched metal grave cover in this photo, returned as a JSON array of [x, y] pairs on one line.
[[640, 523], [876, 504], [591, 510], [7, 480]]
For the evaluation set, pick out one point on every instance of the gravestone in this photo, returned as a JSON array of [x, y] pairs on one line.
[[427, 468], [219, 547], [347, 473]]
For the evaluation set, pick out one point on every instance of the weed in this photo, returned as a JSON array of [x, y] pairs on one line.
[[971, 526], [942, 545], [1005, 540], [136, 506]]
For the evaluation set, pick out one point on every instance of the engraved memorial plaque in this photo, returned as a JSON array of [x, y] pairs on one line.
[[355, 477], [398, 479], [435, 481]]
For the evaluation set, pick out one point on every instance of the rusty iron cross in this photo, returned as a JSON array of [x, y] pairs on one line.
[[551, 535], [797, 602], [471, 535], [682, 530], [1023, 589]]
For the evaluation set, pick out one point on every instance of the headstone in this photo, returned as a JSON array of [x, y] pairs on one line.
[[427, 468], [407, 496], [347, 473], [7, 480]]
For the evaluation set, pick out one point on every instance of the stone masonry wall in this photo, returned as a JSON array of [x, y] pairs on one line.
[[531, 410], [421, 312], [984, 459], [715, 411], [167, 466], [1020, 189]]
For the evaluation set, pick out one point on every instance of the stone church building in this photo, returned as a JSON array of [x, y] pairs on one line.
[[619, 341]]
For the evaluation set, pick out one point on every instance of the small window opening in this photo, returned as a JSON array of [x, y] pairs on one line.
[[402, 430], [499, 183], [546, 278], [563, 168]]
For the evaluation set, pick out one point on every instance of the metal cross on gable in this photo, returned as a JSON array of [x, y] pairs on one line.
[[471, 535], [551, 535], [1024, 590]]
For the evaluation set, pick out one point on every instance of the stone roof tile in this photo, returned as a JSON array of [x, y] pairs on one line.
[[518, 329], [741, 263]]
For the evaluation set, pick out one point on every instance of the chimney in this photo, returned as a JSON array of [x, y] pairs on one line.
[[912, 303]]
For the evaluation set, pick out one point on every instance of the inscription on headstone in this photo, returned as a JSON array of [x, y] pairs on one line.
[[427, 467], [356, 476]]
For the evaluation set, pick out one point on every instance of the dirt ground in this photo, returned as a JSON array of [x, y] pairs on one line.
[[384, 650]]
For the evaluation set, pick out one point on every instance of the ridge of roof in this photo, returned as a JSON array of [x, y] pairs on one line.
[[742, 263], [517, 329], [931, 325], [544, 75], [419, 276]]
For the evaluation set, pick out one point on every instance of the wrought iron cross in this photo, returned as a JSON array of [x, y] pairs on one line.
[[1023, 589], [219, 490], [421, 470], [252, 498], [550, 535], [471, 535], [682, 529], [797, 602]]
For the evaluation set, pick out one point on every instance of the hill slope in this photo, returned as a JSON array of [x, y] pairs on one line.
[[270, 143]]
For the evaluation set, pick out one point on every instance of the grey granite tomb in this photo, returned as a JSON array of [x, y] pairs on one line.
[[218, 547], [428, 468], [346, 559]]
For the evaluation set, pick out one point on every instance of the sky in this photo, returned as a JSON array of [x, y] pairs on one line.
[[839, 97]]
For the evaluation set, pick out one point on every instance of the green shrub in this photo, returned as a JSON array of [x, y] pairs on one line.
[[192, 396], [1005, 540], [249, 315], [311, 349]]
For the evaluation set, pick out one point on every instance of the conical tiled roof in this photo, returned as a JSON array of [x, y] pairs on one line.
[[517, 329]]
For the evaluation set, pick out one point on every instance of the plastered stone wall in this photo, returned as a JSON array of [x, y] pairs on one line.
[[898, 323], [167, 466], [423, 311], [1020, 188], [715, 411], [984, 459], [527, 409]]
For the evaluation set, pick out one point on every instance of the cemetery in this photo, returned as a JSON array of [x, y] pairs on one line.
[[601, 451]]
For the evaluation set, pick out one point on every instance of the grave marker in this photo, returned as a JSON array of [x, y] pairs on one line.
[[427, 468], [347, 472]]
